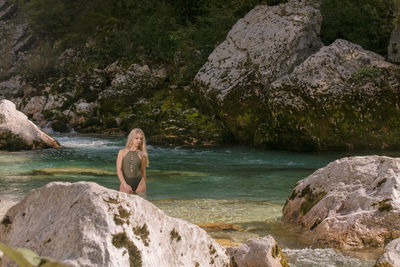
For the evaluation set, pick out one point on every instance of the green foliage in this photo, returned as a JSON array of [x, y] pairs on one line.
[[178, 33], [367, 23], [27, 258]]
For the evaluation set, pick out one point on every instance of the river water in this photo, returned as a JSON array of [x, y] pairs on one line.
[[241, 186]]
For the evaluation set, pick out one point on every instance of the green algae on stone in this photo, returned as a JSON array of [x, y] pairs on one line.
[[143, 233], [175, 235], [122, 241]]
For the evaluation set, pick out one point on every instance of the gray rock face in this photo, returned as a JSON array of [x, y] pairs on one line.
[[17, 132], [84, 224], [15, 38], [258, 252], [264, 45], [394, 46], [329, 72], [351, 203], [391, 255], [273, 85]]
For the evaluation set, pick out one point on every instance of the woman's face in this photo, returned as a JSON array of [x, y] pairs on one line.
[[137, 140]]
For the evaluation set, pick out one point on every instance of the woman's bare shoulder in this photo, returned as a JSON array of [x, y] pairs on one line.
[[123, 151]]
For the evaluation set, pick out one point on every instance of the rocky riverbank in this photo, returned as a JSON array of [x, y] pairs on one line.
[[252, 90], [87, 225]]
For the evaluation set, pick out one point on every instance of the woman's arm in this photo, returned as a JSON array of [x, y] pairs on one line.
[[124, 187], [142, 185]]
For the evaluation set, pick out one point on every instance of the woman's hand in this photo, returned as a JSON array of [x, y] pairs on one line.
[[126, 188], [141, 187]]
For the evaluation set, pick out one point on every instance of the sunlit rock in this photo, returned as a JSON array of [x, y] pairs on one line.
[[258, 252], [351, 203], [264, 45], [84, 224], [18, 133], [391, 256]]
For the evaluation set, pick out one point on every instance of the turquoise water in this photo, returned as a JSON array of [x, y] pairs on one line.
[[242, 186]]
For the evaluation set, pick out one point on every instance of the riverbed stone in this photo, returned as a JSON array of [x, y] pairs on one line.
[[351, 203], [85, 224], [391, 255], [17, 132], [257, 252]]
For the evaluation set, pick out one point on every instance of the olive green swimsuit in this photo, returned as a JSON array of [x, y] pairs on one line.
[[131, 164]]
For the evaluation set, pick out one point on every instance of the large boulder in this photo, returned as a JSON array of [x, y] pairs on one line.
[[273, 85], [342, 97], [261, 47], [17, 132], [391, 256], [259, 252], [351, 203], [84, 224]]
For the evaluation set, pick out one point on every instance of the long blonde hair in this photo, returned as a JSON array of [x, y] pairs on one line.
[[142, 147]]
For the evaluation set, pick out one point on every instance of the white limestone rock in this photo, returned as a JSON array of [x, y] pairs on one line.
[[351, 203], [329, 72], [261, 47], [84, 224], [85, 108], [17, 132], [391, 255], [34, 105], [258, 252]]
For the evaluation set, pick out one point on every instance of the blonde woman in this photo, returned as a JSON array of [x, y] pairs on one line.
[[132, 162]]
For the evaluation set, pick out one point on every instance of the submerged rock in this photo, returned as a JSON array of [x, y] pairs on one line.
[[18, 133], [258, 252], [391, 256], [351, 203], [84, 224]]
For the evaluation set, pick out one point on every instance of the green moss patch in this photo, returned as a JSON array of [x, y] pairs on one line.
[[276, 252], [112, 200], [123, 213], [122, 241], [311, 198], [383, 264], [175, 235], [384, 205], [12, 142], [143, 233]]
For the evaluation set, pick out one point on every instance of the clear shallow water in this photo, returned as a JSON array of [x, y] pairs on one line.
[[242, 186]]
